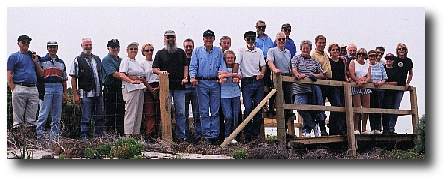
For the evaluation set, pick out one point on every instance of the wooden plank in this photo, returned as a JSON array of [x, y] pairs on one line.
[[341, 83], [414, 109], [349, 119], [165, 108], [319, 140], [380, 110], [247, 120], [279, 105], [385, 138], [313, 107]]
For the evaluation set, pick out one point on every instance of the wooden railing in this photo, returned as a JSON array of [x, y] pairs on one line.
[[348, 108]]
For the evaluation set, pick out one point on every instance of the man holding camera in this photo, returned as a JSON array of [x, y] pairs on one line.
[[23, 69]]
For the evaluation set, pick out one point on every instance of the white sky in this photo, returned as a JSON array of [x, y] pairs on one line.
[[367, 27]]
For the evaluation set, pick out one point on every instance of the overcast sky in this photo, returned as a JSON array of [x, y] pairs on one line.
[[367, 27]]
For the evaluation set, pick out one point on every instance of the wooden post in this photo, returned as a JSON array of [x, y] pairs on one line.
[[165, 108], [414, 109], [279, 106], [351, 140], [247, 120]]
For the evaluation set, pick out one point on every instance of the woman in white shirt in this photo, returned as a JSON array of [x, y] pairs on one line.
[[151, 111], [360, 74], [132, 92]]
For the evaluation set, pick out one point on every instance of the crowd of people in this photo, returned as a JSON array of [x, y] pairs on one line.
[[120, 95]]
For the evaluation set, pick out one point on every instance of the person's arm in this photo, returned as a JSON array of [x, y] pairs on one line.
[[75, 94], [351, 69], [410, 75], [64, 90], [262, 70], [39, 70], [10, 80], [193, 68]]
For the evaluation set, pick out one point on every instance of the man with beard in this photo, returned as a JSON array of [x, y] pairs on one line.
[[205, 63], [86, 84], [172, 60], [191, 95]]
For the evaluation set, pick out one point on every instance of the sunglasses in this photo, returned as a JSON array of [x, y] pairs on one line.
[[287, 30], [337, 50], [261, 27], [133, 49], [25, 42], [372, 55], [170, 36], [148, 50], [281, 39], [362, 54], [402, 49]]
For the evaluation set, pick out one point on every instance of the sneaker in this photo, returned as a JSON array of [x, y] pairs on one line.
[[377, 132], [316, 131], [233, 141], [307, 134], [366, 132], [356, 132]]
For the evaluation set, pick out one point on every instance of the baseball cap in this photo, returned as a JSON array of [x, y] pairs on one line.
[[113, 43], [208, 33], [250, 34], [24, 38], [169, 32], [286, 25]]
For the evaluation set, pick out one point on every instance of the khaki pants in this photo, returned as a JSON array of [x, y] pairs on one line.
[[25, 102], [133, 111]]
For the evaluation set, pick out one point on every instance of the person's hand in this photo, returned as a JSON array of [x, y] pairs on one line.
[[35, 58], [408, 87], [300, 76], [193, 81], [236, 80], [136, 81], [276, 70], [12, 86], [184, 81], [260, 76], [76, 98]]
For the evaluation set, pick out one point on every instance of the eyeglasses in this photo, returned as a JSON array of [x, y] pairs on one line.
[[133, 49], [287, 29], [25, 42], [337, 50], [372, 55], [148, 50], [170, 36], [402, 49], [261, 27], [250, 39], [281, 39], [52, 47]]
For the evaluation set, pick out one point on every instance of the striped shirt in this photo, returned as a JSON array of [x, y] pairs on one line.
[[378, 73], [304, 66]]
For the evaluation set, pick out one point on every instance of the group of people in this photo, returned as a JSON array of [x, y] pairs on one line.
[[120, 94]]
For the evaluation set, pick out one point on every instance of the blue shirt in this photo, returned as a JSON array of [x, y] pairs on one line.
[[289, 44], [22, 67], [264, 43], [229, 89], [206, 64], [109, 66], [378, 73]]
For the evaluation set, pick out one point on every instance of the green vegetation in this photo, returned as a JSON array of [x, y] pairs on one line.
[[420, 140], [126, 148], [240, 154]]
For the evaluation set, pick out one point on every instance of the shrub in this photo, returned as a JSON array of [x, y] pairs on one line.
[[420, 140], [240, 154], [126, 148]]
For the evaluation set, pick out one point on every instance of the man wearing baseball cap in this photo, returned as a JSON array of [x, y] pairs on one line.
[[112, 88], [251, 62], [86, 84], [205, 64], [55, 86], [172, 60], [23, 69]]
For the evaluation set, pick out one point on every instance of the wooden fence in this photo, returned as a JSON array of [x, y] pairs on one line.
[[348, 108]]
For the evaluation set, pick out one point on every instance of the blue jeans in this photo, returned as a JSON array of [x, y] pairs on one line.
[[191, 97], [231, 108], [318, 98], [179, 107], [392, 100], [52, 103], [252, 91], [209, 94], [92, 107], [308, 121]]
